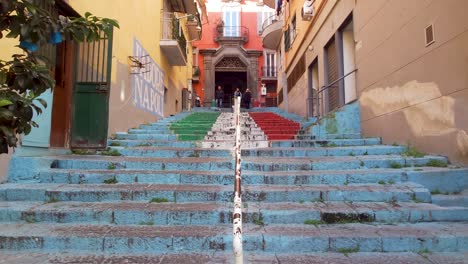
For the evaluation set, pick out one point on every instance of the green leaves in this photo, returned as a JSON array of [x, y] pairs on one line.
[[26, 76]]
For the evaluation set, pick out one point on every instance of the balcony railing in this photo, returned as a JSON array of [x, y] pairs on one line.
[[270, 20], [229, 32], [171, 30], [269, 72]]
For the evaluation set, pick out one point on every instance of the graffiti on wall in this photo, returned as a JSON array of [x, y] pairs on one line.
[[147, 83]]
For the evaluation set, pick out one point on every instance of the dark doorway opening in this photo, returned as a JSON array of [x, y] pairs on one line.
[[229, 81]]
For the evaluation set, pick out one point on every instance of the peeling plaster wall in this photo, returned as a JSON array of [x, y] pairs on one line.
[[410, 93]]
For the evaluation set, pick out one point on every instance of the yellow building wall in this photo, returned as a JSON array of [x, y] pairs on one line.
[[139, 20]]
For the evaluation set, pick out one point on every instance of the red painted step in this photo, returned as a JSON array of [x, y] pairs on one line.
[[276, 127]]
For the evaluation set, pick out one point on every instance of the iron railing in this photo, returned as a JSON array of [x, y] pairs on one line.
[[316, 105], [228, 32], [171, 30], [270, 20], [237, 213]]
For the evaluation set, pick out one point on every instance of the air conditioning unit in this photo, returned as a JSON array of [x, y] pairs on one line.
[[308, 10]]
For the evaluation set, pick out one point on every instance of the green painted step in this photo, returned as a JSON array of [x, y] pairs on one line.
[[195, 126]]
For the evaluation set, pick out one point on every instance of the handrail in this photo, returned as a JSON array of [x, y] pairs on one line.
[[316, 99], [237, 213], [335, 81]]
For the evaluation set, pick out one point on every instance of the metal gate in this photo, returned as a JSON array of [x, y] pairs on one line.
[[90, 109]]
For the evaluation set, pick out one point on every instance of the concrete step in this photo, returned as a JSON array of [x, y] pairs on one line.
[[122, 135], [115, 239], [451, 200], [334, 163], [294, 239], [136, 176], [420, 237], [216, 193], [169, 213], [167, 152], [87, 162], [154, 143], [307, 212], [249, 257], [229, 144], [427, 176], [254, 137], [325, 151], [149, 130], [327, 143], [159, 213]]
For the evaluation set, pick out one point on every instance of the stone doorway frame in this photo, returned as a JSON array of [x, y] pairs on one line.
[[212, 57]]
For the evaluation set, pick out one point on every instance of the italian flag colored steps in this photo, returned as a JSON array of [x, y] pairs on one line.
[[276, 127], [194, 126]]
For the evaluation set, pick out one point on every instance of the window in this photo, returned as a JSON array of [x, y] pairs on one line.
[[296, 73], [287, 39], [270, 64], [232, 23], [292, 28]]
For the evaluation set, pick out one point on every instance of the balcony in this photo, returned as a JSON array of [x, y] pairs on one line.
[[272, 29], [230, 34], [183, 6], [194, 28], [195, 74], [269, 73], [173, 43]]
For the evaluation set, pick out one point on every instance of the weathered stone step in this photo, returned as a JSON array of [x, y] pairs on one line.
[[451, 200], [115, 239], [136, 176], [326, 143], [169, 213], [249, 257], [158, 212], [314, 213], [122, 135], [244, 137], [216, 193], [325, 151], [162, 130], [114, 192], [168, 152], [420, 237], [229, 144], [337, 163], [427, 176], [87, 162], [357, 193], [154, 143]]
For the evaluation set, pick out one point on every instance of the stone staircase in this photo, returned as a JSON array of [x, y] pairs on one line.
[[155, 199]]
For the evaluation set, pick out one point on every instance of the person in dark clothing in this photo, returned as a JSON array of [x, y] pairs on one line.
[[246, 98], [219, 95], [237, 93]]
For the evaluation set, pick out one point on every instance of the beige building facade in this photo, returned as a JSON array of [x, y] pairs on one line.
[[404, 62]]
